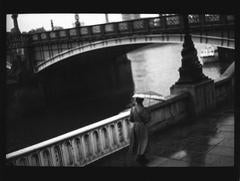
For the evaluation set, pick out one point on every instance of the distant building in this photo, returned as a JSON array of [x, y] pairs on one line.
[[126, 17]]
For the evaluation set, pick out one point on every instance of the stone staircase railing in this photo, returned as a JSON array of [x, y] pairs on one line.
[[90, 143], [223, 89]]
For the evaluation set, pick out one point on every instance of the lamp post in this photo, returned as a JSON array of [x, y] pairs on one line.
[[191, 69], [201, 89], [15, 23], [106, 18], [77, 23], [52, 25]]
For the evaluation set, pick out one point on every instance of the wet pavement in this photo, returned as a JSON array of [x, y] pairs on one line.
[[206, 141]]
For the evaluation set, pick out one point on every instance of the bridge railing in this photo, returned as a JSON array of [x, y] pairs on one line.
[[90, 143], [169, 24]]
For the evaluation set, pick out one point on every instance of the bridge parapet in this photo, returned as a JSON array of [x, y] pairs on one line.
[[164, 24], [45, 45]]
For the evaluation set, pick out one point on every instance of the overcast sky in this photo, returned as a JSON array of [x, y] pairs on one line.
[[26, 22]]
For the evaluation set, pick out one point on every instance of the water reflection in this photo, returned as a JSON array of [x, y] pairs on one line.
[[161, 67]]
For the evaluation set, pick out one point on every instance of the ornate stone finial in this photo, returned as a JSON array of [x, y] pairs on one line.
[[77, 23], [15, 23]]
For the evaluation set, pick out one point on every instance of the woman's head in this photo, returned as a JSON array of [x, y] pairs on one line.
[[139, 100]]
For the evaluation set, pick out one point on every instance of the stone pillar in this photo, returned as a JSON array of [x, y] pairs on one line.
[[192, 79]]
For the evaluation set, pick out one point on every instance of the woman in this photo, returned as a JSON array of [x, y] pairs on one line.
[[139, 134]]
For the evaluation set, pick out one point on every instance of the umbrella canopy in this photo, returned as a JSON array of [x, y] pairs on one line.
[[149, 95]]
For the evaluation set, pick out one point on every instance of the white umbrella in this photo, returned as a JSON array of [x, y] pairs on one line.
[[152, 97], [149, 95]]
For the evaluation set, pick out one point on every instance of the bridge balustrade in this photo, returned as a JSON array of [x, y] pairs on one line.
[[48, 44], [212, 18], [146, 25], [109, 28], [52, 35], [193, 19], [84, 31], [62, 33], [172, 20], [44, 36], [229, 18]]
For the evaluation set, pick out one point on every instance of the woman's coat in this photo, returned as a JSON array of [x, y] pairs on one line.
[[139, 133]]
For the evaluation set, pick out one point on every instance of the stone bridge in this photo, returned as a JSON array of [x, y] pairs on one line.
[[47, 48]]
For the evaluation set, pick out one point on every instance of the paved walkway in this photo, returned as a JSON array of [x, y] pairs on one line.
[[208, 141]]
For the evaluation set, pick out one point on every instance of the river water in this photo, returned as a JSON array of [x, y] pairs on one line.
[[154, 68]]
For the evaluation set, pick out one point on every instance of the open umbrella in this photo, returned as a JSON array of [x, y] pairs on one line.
[[150, 95]]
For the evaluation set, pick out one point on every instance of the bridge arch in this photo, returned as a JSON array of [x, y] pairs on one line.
[[133, 40]]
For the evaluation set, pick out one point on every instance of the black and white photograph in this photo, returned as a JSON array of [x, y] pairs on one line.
[[120, 90]]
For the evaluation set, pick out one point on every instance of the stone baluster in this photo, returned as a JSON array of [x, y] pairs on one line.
[[125, 129], [77, 151], [45, 158], [96, 143], [107, 138]]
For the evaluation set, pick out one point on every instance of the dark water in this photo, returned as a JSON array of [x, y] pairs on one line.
[[154, 68]]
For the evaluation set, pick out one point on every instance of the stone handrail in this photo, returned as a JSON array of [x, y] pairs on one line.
[[172, 110], [223, 88], [76, 148], [88, 144]]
